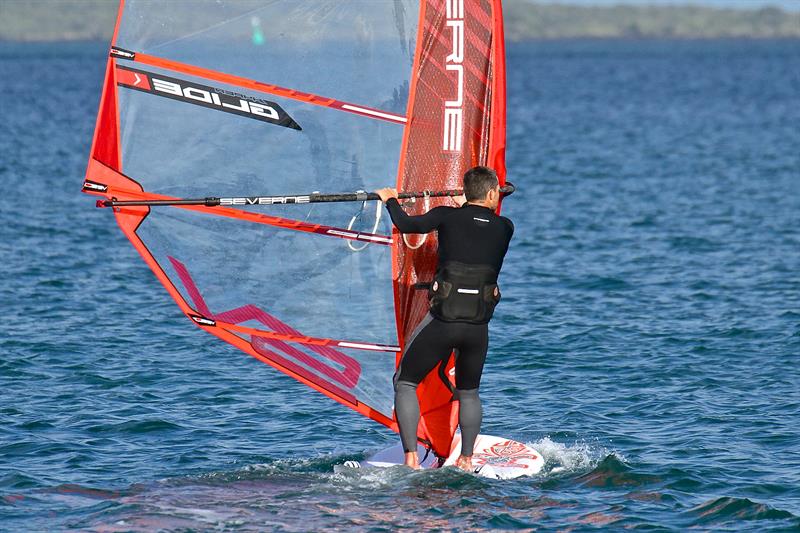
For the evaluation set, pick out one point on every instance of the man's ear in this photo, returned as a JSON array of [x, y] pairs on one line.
[[495, 198]]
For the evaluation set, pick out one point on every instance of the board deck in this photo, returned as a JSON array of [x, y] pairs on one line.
[[493, 457]]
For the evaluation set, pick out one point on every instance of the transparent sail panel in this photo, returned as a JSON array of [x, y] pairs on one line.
[[315, 284], [278, 280], [360, 51], [183, 148]]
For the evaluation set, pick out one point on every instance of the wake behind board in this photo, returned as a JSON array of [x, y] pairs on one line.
[[493, 457]]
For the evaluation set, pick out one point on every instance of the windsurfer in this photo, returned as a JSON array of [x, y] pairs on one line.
[[473, 240]]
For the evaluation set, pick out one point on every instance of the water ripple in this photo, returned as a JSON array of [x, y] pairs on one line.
[[646, 344]]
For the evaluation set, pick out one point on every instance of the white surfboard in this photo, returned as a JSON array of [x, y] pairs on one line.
[[493, 457]]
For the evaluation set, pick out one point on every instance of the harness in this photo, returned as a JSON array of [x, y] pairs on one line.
[[464, 293]]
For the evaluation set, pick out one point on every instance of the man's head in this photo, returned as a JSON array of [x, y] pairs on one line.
[[482, 187]]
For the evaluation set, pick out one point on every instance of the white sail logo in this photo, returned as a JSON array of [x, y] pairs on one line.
[[208, 97], [454, 109], [265, 200]]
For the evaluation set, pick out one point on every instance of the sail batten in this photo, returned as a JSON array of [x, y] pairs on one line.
[[294, 94], [207, 98]]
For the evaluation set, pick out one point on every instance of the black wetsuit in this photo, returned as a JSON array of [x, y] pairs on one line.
[[472, 235]]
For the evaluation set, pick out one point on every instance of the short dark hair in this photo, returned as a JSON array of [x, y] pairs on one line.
[[478, 181]]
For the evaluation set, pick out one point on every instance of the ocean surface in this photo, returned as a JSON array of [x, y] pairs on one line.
[[648, 343]]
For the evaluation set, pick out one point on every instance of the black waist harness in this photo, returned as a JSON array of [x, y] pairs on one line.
[[464, 293]]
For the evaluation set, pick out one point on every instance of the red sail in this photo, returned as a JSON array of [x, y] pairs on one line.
[[202, 99]]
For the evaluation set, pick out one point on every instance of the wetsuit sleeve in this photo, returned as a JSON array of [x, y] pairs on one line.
[[510, 226], [415, 224]]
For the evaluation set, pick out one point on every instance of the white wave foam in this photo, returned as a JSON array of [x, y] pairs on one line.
[[560, 458]]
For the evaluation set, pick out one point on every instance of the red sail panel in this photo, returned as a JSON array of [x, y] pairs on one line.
[[456, 121], [106, 140]]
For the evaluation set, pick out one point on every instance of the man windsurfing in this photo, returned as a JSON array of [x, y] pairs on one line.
[[473, 240]]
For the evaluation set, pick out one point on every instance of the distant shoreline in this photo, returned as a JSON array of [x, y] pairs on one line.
[[93, 20], [103, 44], [525, 20]]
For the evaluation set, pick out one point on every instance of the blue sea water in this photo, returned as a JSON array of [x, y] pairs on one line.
[[648, 342]]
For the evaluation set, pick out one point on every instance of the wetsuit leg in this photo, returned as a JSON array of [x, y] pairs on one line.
[[469, 419], [427, 347], [406, 405], [474, 342]]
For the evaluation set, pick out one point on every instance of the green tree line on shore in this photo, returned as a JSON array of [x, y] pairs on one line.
[[72, 20]]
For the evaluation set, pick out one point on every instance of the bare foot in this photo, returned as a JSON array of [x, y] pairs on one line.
[[412, 461], [464, 463]]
